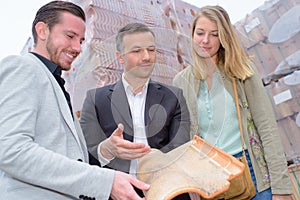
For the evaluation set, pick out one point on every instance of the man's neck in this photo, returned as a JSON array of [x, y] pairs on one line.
[[136, 83]]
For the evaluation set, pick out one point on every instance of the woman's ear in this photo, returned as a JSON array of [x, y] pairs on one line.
[[120, 57], [42, 31]]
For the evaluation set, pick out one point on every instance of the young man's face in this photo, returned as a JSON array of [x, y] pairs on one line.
[[64, 41], [139, 55]]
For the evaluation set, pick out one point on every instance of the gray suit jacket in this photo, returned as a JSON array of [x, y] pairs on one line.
[[166, 118], [40, 145]]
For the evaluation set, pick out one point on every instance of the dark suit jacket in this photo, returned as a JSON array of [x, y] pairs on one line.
[[166, 118]]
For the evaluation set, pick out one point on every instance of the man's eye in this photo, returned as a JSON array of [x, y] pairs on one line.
[[151, 49], [136, 50]]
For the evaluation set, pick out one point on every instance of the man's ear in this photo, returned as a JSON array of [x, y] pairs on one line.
[[120, 57], [42, 30]]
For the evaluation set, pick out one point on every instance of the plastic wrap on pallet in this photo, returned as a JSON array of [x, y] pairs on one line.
[[271, 35], [97, 66]]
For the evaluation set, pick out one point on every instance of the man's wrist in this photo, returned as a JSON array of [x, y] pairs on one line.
[[104, 159], [104, 151]]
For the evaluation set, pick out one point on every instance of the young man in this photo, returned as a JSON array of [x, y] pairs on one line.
[[152, 114], [43, 154]]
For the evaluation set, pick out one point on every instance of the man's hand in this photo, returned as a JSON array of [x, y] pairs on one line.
[[122, 188], [116, 146]]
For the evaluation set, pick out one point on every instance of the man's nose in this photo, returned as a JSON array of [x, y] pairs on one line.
[[146, 55], [76, 46]]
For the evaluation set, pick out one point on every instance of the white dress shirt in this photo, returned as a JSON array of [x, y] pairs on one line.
[[137, 108]]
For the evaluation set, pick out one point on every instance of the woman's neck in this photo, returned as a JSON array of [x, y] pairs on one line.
[[211, 66]]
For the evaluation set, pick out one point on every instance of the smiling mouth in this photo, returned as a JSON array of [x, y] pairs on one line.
[[70, 55]]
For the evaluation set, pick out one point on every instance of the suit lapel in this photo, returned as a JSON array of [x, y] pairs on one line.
[[154, 97], [62, 103], [120, 106]]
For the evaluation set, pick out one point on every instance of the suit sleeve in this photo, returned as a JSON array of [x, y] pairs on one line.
[[90, 126], [179, 129]]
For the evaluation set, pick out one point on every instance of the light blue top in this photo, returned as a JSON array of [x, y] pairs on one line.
[[218, 116]]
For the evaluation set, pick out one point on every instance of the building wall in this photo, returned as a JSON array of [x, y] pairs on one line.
[[97, 64]]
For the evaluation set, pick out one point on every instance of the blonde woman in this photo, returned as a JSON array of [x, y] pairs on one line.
[[217, 57]]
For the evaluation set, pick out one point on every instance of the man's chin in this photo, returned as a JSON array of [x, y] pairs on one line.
[[65, 68]]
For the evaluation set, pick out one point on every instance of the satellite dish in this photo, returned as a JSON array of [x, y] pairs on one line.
[[289, 69], [267, 5], [286, 26], [289, 64], [293, 79]]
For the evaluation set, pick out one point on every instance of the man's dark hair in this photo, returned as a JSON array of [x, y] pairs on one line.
[[51, 12]]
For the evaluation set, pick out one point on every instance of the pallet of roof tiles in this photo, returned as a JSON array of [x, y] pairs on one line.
[[105, 17], [283, 86], [166, 39], [97, 78], [104, 51], [180, 15], [107, 76], [104, 21], [294, 172], [284, 98], [287, 70], [275, 20], [289, 132], [269, 33]]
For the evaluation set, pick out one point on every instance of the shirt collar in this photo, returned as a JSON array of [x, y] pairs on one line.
[[53, 68], [129, 88]]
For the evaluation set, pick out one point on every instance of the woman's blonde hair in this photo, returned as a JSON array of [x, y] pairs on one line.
[[231, 54]]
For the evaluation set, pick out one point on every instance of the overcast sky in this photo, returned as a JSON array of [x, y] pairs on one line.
[[17, 16]]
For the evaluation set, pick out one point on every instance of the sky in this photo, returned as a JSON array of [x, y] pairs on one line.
[[16, 20]]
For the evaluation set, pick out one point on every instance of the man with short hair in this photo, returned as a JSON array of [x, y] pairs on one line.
[[152, 114], [43, 153]]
